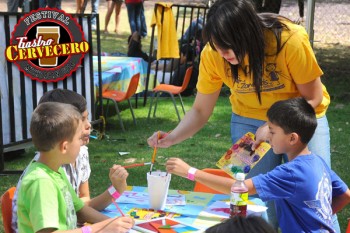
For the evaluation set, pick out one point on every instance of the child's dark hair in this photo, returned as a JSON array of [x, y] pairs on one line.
[[66, 97], [250, 224], [294, 115], [52, 123]]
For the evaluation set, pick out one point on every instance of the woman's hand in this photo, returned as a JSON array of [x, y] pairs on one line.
[[177, 166], [261, 135], [118, 176], [163, 140]]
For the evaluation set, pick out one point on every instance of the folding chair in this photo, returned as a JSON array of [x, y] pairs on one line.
[[6, 209], [119, 96], [172, 90], [199, 187]]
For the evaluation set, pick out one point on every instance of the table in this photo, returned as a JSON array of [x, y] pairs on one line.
[[193, 213], [117, 72]]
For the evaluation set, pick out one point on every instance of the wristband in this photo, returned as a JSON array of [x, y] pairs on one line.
[[114, 193], [86, 229], [191, 172]]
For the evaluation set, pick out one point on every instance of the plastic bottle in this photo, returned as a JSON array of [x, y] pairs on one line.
[[239, 197]]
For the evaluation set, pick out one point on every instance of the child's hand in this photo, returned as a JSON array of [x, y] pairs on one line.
[[118, 175], [177, 166], [122, 224], [261, 135]]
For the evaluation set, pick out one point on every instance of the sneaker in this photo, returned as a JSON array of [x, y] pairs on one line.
[[93, 27]]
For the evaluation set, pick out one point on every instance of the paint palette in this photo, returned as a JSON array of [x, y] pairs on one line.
[[165, 225], [150, 214], [240, 157]]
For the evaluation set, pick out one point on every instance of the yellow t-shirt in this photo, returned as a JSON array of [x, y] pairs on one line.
[[295, 64]]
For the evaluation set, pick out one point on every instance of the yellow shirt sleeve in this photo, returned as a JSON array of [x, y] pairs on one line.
[[295, 64]]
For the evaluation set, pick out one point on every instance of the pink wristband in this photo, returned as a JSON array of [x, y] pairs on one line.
[[191, 172], [114, 193], [86, 229]]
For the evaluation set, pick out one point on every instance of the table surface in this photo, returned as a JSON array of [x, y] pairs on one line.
[[117, 72], [194, 213]]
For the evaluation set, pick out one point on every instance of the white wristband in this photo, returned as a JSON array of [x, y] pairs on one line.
[[191, 172]]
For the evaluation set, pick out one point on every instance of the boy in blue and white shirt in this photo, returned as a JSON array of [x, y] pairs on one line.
[[305, 190]]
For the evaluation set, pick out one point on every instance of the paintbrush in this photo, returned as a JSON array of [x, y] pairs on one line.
[[137, 165], [154, 153], [116, 205]]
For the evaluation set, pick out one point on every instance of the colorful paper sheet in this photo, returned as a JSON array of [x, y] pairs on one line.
[[240, 157]]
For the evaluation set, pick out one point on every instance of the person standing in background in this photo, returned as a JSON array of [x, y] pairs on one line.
[[94, 10], [113, 5], [134, 8], [143, 22]]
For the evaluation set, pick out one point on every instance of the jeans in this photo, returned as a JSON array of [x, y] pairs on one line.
[[319, 144], [143, 22], [94, 10], [134, 15], [12, 5], [42, 3], [51, 3]]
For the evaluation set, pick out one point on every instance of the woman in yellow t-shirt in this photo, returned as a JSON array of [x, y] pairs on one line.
[[262, 58]]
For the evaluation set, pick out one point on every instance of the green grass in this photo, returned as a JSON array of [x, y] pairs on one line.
[[202, 150], [207, 146]]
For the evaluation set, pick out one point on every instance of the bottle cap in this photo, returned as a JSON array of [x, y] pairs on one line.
[[240, 176]]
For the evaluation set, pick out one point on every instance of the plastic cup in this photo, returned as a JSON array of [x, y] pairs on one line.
[[158, 187]]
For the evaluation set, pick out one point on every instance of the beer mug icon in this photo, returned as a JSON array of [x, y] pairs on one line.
[[48, 32]]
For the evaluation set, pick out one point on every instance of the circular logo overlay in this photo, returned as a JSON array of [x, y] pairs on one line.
[[47, 45]]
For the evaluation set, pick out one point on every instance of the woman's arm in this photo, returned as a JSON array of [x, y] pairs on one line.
[[193, 121], [312, 92]]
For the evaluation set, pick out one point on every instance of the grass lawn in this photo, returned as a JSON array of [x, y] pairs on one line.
[[202, 150]]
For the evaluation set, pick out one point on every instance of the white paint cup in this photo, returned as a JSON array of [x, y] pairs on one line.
[[158, 187]]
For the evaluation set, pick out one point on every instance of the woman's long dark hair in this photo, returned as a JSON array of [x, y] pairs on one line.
[[234, 24]]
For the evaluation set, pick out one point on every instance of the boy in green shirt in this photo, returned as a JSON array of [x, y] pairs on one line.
[[46, 200]]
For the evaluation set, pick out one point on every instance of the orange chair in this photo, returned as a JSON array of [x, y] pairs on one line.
[[348, 227], [199, 187], [6, 209], [119, 96], [172, 90]]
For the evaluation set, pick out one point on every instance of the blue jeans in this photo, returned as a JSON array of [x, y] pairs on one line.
[[94, 10], [319, 144], [50, 3], [143, 22], [134, 15]]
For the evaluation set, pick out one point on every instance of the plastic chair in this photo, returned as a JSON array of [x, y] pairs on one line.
[[6, 209], [348, 227], [119, 96], [199, 187], [172, 90]]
